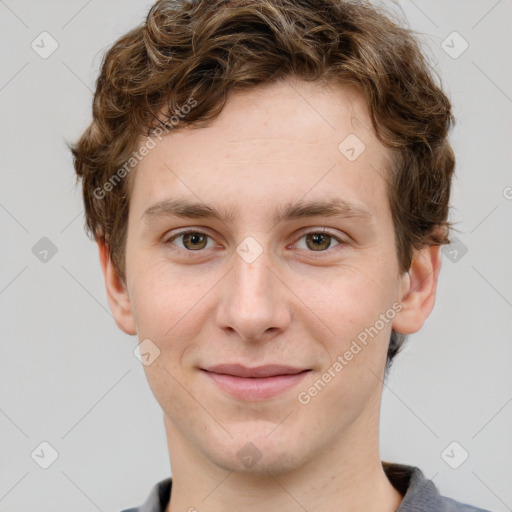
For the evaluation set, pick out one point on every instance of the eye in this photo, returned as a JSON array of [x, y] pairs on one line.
[[192, 240], [319, 241]]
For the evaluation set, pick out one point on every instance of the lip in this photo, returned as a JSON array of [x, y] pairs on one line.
[[257, 383], [268, 370]]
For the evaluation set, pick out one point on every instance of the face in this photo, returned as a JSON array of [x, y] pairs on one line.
[[258, 316]]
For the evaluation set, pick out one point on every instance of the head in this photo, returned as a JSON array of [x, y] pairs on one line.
[[256, 111]]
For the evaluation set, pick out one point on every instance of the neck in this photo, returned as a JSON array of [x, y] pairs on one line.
[[349, 477]]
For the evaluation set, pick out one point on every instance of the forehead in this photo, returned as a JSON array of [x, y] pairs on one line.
[[284, 138]]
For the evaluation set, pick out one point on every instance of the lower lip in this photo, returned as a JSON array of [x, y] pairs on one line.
[[257, 388]]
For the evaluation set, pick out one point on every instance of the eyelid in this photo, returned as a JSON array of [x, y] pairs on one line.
[[199, 231], [302, 233], [342, 241]]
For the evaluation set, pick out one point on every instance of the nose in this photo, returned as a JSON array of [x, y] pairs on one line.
[[255, 303]]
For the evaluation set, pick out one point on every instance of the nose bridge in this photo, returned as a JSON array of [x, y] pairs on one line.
[[252, 279], [253, 303]]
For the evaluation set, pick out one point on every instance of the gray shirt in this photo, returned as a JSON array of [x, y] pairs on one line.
[[419, 494]]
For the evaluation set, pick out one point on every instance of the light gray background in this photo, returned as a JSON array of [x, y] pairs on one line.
[[68, 376]]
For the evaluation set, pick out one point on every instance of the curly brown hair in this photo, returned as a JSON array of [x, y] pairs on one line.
[[202, 50]]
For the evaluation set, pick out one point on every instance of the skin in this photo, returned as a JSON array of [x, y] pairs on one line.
[[293, 305]]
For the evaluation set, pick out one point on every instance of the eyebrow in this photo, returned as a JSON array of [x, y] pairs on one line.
[[290, 211]]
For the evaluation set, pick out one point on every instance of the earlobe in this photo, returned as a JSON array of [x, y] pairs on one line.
[[418, 290], [117, 293]]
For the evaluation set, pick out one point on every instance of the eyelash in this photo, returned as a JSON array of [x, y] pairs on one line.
[[315, 254]]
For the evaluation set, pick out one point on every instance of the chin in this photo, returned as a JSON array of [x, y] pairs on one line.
[[257, 454]]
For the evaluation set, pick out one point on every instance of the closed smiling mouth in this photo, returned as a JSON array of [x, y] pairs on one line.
[[256, 383]]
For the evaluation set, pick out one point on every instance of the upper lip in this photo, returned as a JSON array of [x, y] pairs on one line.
[[268, 370]]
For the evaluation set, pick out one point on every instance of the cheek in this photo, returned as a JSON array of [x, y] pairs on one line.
[[349, 298], [351, 305], [165, 305], [163, 297], [171, 307]]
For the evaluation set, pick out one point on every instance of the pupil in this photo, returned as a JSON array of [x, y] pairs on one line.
[[194, 238], [319, 239]]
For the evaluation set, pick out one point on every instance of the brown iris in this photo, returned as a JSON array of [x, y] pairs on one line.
[[320, 241], [314, 241], [197, 240]]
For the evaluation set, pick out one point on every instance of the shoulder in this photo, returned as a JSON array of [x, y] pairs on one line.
[[451, 505], [157, 499], [420, 493]]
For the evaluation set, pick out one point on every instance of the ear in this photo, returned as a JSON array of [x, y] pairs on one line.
[[418, 290], [117, 294]]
